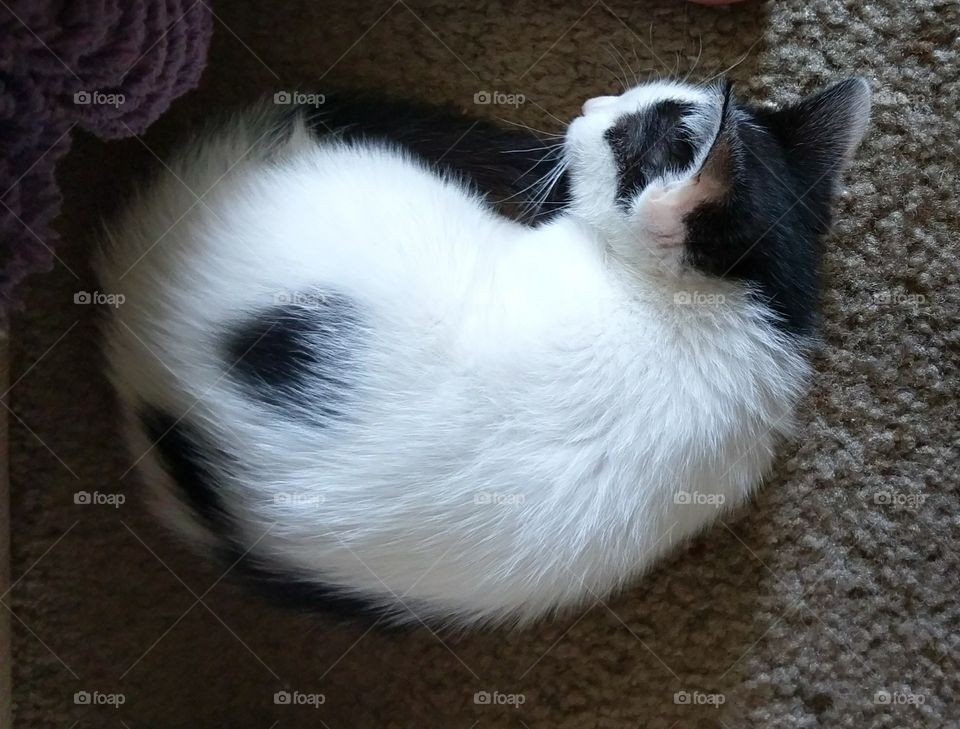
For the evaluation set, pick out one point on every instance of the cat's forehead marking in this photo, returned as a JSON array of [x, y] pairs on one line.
[[646, 96], [648, 143]]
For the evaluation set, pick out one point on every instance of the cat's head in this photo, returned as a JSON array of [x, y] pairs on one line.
[[689, 178]]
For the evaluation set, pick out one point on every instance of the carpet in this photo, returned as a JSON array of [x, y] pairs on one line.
[[829, 601]]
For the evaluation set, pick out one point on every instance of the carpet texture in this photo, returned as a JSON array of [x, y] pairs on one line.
[[830, 601]]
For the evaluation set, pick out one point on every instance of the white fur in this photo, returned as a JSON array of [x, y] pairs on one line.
[[533, 365]]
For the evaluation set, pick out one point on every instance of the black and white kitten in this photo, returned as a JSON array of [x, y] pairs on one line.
[[343, 364]]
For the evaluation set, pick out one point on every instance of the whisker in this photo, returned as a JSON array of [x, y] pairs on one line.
[[623, 79], [735, 64], [696, 62], [561, 171], [636, 57], [520, 192], [536, 182], [548, 113], [543, 193], [548, 135], [532, 149], [633, 73], [617, 80]]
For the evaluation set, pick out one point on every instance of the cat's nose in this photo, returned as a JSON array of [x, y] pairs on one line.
[[597, 103]]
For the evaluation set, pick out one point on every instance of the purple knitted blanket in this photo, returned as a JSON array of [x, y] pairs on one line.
[[108, 66]]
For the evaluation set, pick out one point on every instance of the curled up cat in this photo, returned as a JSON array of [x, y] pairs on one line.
[[354, 371]]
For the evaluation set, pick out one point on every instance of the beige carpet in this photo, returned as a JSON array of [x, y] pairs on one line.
[[800, 611]]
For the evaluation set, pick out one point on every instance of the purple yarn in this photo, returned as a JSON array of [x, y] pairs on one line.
[[110, 66]]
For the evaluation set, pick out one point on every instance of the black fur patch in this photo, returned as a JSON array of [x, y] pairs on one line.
[[196, 466], [786, 168], [766, 233], [299, 358], [646, 144], [189, 460], [503, 163], [285, 589]]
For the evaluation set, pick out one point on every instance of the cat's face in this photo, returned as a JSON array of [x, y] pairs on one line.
[[687, 176], [626, 153]]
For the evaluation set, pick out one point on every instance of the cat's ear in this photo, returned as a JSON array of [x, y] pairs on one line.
[[823, 130]]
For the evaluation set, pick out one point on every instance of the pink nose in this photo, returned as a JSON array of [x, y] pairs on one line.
[[597, 103]]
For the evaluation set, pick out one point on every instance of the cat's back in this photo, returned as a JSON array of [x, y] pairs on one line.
[[260, 215], [264, 203]]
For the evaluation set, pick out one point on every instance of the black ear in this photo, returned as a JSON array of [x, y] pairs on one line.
[[822, 131]]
